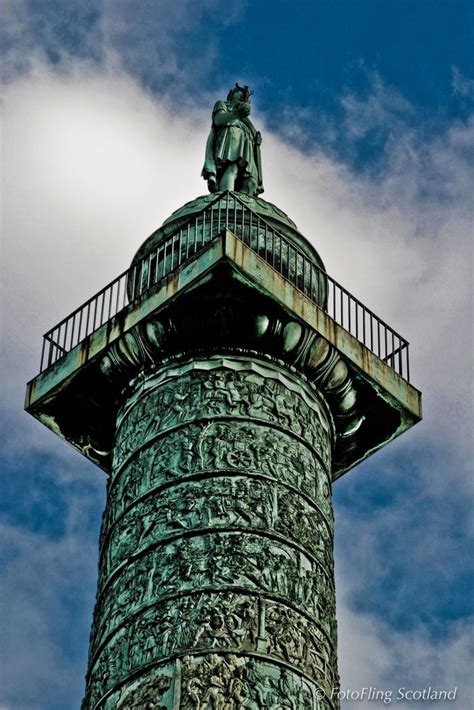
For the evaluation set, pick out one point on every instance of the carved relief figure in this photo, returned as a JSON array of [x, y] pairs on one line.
[[147, 696], [209, 548], [216, 394]]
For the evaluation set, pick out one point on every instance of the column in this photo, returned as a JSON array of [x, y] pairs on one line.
[[216, 584]]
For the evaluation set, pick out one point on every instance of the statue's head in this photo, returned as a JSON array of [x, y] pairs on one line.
[[239, 94]]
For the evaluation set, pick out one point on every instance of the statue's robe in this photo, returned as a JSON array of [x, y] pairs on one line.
[[235, 141]]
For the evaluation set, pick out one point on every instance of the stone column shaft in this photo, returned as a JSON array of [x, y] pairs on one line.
[[216, 585]]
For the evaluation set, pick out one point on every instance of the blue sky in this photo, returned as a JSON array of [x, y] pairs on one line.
[[367, 115]]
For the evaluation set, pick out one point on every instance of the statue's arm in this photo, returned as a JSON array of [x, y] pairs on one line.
[[223, 116]]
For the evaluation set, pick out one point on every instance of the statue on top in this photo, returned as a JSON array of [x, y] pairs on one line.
[[233, 148]]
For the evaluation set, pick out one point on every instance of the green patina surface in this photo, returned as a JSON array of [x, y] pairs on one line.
[[272, 215], [391, 393], [222, 403], [232, 160], [216, 572]]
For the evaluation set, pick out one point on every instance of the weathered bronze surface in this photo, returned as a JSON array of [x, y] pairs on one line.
[[227, 296], [223, 401], [232, 160], [216, 564]]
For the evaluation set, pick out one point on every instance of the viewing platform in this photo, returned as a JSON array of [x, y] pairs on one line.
[[232, 239]]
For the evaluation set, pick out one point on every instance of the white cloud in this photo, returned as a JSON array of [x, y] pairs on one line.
[[382, 109], [141, 39], [462, 85], [47, 592], [374, 655]]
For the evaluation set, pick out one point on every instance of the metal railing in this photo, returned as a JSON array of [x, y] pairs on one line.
[[227, 211]]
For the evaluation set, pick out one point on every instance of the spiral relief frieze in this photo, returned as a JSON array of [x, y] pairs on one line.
[[216, 571]]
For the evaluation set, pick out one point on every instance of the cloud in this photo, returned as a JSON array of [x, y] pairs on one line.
[[47, 588], [93, 164], [383, 108], [461, 84], [41, 31], [374, 655], [168, 47]]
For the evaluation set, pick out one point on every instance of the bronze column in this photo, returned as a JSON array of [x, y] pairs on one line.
[[216, 585]]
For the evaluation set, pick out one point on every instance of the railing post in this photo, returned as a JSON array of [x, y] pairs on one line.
[[101, 320], [219, 216], [42, 354]]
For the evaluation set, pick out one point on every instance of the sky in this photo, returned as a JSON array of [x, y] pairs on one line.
[[367, 115]]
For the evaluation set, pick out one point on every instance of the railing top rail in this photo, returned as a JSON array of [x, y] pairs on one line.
[[90, 300], [60, 341]]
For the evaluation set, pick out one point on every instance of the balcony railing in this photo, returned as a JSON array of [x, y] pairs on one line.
[[229, 212]]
